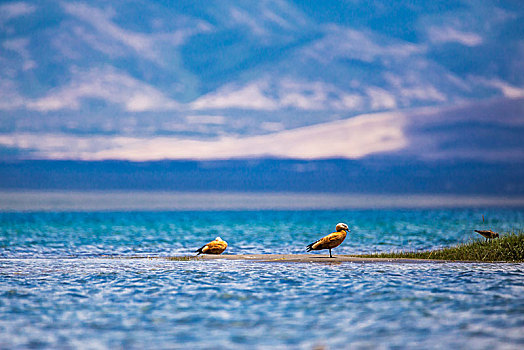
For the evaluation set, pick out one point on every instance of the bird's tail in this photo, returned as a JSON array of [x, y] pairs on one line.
[[310, 247], [199, 251]]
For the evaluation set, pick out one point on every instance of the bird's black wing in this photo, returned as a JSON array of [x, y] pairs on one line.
[[309, 247], [199, 250]]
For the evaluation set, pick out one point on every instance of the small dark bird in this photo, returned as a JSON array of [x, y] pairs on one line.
[[488, 234], [214, 247], [330, 241]]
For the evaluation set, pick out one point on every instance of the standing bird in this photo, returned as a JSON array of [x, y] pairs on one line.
[[330, 241], [488, 234], [214, 247]]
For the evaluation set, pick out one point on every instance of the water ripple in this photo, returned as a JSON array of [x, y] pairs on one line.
[[231, 304]]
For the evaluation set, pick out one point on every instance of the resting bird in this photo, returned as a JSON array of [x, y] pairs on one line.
[[214, 247], [488, 234], [330, 241]]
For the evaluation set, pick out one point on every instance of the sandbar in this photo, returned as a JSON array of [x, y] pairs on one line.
[[306, 258]]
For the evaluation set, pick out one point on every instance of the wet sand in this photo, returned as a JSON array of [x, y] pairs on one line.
[[306, 258]]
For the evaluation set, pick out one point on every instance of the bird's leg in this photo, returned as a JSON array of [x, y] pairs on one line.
[[330, 253]]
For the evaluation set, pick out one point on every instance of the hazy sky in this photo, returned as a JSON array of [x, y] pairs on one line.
[[147, 80]]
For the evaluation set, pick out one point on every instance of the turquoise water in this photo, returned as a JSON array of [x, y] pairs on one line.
[[66, 282]]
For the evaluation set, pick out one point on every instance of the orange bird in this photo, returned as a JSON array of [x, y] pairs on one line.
[[214, 247], [330, 241]]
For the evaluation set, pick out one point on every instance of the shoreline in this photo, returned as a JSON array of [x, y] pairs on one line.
[[12, 201]]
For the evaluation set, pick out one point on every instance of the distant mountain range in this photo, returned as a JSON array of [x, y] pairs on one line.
[[372, 175]]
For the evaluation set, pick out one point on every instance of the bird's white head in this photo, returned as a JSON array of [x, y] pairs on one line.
[[341, 226], [218, 239]]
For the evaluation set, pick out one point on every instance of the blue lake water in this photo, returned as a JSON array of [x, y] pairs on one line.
[[67, 280]]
